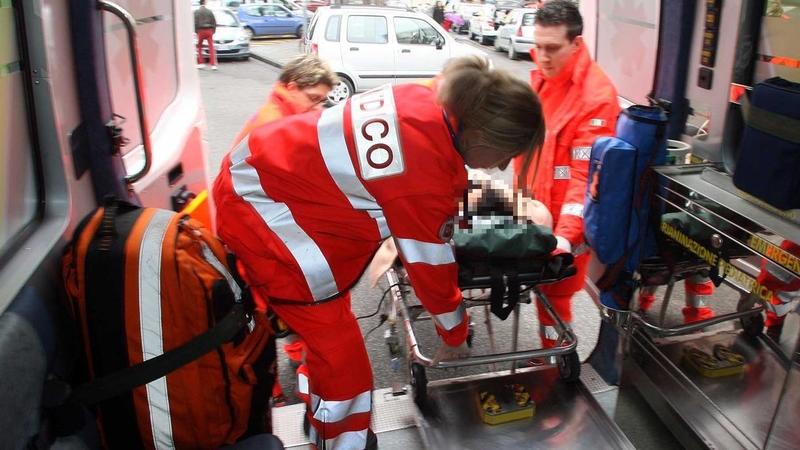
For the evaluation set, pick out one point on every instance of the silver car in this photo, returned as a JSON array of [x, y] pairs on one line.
[[516, 36]]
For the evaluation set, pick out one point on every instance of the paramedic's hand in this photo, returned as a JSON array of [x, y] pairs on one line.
[[561, 257], [447, 352]]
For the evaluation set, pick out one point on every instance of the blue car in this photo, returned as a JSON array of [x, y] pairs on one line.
[[270, 20]]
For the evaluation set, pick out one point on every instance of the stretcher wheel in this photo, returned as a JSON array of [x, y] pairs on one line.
[[569, 367], [753, 325], [419, 384]]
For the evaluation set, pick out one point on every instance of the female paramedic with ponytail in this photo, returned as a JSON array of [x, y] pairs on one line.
[[306, 201]]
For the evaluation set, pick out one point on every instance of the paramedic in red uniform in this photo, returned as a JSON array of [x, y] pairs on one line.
[[306, 201], [303, 86], [579, 104]]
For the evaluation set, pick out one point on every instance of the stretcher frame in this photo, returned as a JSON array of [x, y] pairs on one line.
[[564, 355]]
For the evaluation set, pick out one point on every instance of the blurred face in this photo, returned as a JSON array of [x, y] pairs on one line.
[[553, 48], [308, 98]]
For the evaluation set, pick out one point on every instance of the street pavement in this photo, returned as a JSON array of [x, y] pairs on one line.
[[234, 92]]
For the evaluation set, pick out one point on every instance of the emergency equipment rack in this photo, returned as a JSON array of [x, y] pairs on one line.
[[720, 232]]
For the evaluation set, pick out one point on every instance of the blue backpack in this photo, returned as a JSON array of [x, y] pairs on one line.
[[616, 210]]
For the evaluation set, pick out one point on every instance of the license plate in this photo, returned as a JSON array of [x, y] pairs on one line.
[[222, 46]]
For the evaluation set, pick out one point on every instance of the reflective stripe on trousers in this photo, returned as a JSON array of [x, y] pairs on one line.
[[349, 440], [698, 288]]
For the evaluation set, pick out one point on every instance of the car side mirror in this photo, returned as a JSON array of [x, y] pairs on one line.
[[439, 43]]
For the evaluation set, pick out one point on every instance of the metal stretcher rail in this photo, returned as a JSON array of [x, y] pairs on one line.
[[566, 337]]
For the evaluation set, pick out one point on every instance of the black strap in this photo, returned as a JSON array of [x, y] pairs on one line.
[[120, 382], [502, 302]]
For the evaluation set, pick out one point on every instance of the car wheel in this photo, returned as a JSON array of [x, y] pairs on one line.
[[484, 40], [497, 46], [341, 91], [249, 32], [512, 54], [299, 31]]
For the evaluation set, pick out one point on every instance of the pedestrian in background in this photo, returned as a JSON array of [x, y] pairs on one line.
[[204, 26], [438, 13]]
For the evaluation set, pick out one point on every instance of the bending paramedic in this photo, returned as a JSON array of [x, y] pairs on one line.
[[303, 86], [305, 202]]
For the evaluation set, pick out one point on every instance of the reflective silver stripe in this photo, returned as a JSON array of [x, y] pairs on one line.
[[383, 227], [150, 325], [597, 122], [332, 146], [349, 440], [696, 301], [211, 258], [415, 251], [782, 309], [561, 173], [279, 219], [332, 411], [581, 153], [302, 383], [572, 209], [452, 319], [563, 243], [548, 332]]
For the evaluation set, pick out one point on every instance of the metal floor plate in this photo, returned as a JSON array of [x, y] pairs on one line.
[[567, 416]]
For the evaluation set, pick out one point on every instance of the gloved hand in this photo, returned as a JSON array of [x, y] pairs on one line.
[[561, 257], [446, 352]]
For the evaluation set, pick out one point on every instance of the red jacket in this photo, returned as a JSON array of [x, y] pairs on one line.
[[580, 105], [276, 107], [306, 201]]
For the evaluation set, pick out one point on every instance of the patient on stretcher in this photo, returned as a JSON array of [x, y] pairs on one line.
[[487, 200]]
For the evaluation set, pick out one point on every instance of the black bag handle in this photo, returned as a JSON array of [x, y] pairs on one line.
[[119, 382]]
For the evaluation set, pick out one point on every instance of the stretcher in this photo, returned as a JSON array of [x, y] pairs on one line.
[[721, 387], [561, 411]]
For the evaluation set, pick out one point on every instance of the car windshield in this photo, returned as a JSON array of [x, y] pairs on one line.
[[225, 18]]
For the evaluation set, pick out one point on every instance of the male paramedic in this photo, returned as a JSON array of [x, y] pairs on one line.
[[303, 86], [579, 104], [305, 202]]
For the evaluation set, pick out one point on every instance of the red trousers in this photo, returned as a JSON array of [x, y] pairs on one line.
[[339, 376], [560, 296], [206, 35]]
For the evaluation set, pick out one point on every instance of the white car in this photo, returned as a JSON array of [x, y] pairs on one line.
[[516, 36], [482, 25], [371, 46]]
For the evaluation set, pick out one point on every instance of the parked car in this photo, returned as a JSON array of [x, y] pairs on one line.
[[371, 46], [467, 11], [231, 41], [313, 5], [269, 19], [516, 37], [482, 25]]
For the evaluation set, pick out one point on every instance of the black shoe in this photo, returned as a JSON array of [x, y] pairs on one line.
[[372, 441]]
